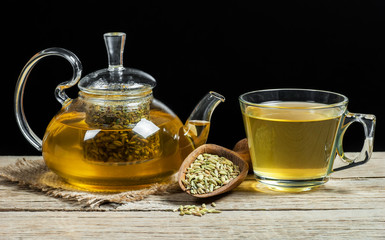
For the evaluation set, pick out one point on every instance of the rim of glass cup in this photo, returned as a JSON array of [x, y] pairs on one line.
[[262, 105]]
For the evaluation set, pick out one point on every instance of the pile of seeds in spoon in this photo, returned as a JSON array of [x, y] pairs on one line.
[[209, 172]]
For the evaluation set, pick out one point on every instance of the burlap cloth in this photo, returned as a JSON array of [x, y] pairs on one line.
[[34, 174]]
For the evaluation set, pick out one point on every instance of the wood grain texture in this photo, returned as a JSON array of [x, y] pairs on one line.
[[350, 206]]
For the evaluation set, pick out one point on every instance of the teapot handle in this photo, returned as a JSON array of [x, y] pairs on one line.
[[60, 95]]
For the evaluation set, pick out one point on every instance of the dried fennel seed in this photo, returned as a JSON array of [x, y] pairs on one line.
[[117, 116], [196, 210], [117, 142], [208, 173], [123, 146]]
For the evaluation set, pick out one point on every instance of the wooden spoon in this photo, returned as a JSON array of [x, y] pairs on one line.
[[222, 152], [242, 148]]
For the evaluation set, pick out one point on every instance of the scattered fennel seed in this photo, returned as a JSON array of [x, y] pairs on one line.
[[195, 210]]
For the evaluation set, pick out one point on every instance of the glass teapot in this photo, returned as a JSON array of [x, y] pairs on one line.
[[115, 136]]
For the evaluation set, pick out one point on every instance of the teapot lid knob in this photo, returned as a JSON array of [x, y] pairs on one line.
[[115, 46]]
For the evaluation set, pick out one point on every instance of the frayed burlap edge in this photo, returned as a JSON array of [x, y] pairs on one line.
[[34, 174]]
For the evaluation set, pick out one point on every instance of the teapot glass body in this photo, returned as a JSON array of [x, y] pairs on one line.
[[93, 144]]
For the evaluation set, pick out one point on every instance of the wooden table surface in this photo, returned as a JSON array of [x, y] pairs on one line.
[[350, 206]]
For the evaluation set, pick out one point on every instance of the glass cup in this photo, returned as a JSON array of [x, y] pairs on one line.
[[294, 135]]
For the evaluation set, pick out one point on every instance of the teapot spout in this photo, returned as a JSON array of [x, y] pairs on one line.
[[197, 125]]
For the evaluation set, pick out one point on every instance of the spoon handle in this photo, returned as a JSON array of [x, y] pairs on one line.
[[242, 149]]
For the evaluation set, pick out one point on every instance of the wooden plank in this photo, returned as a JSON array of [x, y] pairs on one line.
[[16, 198], [374, 168], [350, 205], [6, 160], [336, 224], [365, 192]]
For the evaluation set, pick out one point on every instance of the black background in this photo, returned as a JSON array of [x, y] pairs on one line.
[[195, 47]]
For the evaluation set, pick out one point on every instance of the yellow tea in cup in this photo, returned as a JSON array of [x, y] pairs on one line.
[[290, 144], [294, 134]]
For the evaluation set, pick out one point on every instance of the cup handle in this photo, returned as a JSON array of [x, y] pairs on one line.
[[60, 95], [368, 121]]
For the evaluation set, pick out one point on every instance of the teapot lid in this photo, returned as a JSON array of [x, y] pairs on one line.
[[116, 79]]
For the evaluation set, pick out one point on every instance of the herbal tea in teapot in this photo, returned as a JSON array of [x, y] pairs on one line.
[[115, 135], [114, 153]]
